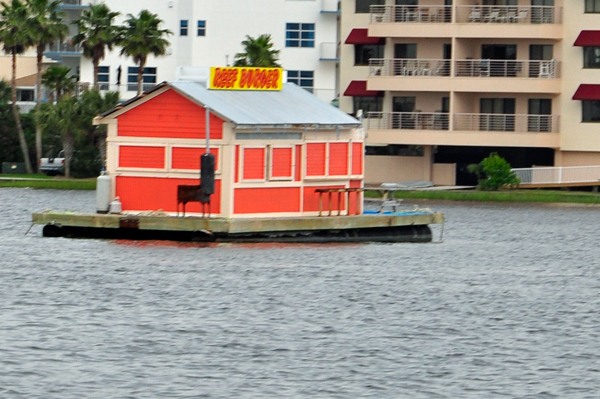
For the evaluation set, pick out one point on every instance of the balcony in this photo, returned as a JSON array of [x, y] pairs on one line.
[[407, 120], [73, 5], [437, 21], [328, 51], [330, 7], [500, 76], [64, 49], [506, 123], [508, 68], [408, 67], [411, 14], [509, 14], [433, 128]]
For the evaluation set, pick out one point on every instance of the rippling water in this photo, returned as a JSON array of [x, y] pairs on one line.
[[506, 307]]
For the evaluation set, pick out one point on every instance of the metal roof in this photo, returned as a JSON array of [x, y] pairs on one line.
[[290, 106]]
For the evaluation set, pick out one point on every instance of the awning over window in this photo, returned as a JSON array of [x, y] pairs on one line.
[[358, 88], [361, 36], [588, 38], [587, 92]]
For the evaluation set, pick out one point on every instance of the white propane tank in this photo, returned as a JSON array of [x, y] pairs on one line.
[[102, 193], [116, 206]]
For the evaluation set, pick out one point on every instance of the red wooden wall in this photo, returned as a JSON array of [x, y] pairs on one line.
[[169, 115], [152, 193]]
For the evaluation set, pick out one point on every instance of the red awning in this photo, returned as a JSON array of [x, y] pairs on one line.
[[358, 88], [588, 38], [361, 36], [587, 92]]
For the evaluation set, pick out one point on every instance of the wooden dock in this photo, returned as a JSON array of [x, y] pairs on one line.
[[405, 227]]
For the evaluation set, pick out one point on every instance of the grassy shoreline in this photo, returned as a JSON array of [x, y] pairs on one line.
[[46, 183], [520, 196]]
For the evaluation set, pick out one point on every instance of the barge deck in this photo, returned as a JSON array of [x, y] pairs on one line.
[[384, 227]]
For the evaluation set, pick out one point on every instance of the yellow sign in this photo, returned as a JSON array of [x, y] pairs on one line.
[[246, 78]]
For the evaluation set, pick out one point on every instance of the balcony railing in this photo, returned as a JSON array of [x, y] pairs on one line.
[[64, 47], [467, 14], [408, 67], [72, 2], [509, 14], [506, 123], [465, 68], [429, 13], [508, 68], [407, 120], [462, 122]]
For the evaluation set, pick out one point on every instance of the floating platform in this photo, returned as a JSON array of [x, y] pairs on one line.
[[381, 227]]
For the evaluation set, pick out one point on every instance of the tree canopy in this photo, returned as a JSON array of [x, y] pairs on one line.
[[142, 37], [258, 52]]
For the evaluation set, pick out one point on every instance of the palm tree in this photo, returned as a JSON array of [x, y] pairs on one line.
[[258, 53], [57, 79], [142, 37], [96, 32], [17, 38], [46, 26], [65, 117]]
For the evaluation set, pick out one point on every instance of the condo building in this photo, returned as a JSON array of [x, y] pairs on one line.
[[441, 84], [209, 33]]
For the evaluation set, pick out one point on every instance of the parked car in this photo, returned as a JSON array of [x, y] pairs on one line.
[[53, 166]]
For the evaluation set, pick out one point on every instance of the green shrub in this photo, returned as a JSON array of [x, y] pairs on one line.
[[494, 173]]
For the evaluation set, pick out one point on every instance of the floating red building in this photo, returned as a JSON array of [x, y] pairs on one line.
[[273, 149]]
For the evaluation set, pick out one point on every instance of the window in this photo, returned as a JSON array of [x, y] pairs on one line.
[[201, 28], [591, 57], [364, 52], [183, 27], [25, 95], [592, 5], [591, 111], [304, 79], [364, 6], [367, 104], [299, 35], [103, 77], [149, 79]]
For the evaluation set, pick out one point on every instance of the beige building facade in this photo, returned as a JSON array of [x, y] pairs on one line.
[[442, 83]]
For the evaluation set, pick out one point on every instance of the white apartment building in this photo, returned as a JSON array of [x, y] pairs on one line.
[[443, 83], [209, 33]]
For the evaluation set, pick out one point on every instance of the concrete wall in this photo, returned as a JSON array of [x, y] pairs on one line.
[[444, 174]]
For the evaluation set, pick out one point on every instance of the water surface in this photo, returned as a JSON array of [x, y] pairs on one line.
[[506, 307]]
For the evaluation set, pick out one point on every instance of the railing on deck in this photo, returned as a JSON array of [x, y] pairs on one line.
[[520, 123], [558, 175], [509, 14], [508, 68], [406, 120], [429, 13], [408, 67]]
